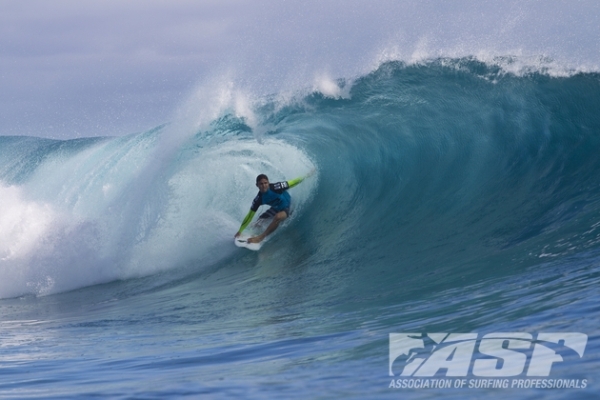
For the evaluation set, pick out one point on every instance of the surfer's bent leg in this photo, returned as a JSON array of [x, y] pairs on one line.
[[270, 213], [280, 216]]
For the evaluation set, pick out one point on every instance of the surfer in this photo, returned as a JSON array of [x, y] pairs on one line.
[[274, 195]]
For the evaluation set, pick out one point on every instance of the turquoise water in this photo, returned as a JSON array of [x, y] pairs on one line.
[[450, 196]]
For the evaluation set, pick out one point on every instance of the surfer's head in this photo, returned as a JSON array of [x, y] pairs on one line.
[[261, 177], [262, 182]]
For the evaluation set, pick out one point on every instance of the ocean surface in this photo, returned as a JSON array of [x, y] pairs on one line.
[[450, 196]]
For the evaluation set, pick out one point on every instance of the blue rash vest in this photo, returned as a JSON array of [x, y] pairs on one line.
[[277, 197]]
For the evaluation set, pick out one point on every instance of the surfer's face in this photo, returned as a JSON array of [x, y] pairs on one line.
[[263, 185]]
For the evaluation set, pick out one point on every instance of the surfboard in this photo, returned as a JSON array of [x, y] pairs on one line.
[[242, 241], [253, 230]]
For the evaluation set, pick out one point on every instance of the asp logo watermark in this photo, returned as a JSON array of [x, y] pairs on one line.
[[493, 358]]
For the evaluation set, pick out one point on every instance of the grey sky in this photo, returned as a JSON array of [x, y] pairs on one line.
[[71, 68]]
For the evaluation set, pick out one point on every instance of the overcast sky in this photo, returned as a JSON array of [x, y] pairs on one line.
[[73, 68]]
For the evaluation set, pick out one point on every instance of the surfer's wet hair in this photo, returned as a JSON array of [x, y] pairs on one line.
[[261, 177]]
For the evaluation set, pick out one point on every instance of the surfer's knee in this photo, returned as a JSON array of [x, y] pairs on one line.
[[280, 216]]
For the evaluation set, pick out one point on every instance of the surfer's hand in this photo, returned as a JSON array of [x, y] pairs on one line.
[[238, 234]]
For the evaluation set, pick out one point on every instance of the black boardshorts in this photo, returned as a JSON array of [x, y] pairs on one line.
[[270, 213]]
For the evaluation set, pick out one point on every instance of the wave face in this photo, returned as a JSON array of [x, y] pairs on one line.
[[453, 168]]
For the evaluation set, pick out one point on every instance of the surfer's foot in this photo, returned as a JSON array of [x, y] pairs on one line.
[[256, 239]]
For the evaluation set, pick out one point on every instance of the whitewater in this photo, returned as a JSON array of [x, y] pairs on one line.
[[451, 195]]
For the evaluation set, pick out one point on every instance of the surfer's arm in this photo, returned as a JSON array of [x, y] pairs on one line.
[[246, 221], [296, 181]]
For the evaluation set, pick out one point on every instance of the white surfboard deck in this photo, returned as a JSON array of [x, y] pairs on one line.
[[242, 241], [253, 230]]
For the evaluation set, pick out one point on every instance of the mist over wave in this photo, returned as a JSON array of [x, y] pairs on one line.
[[449, 169]]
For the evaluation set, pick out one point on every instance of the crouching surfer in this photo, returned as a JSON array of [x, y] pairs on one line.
[[274, 195]]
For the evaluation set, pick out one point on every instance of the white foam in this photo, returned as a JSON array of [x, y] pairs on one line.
[[22, 223], [102, 214], [511, 61], [325, 85]]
